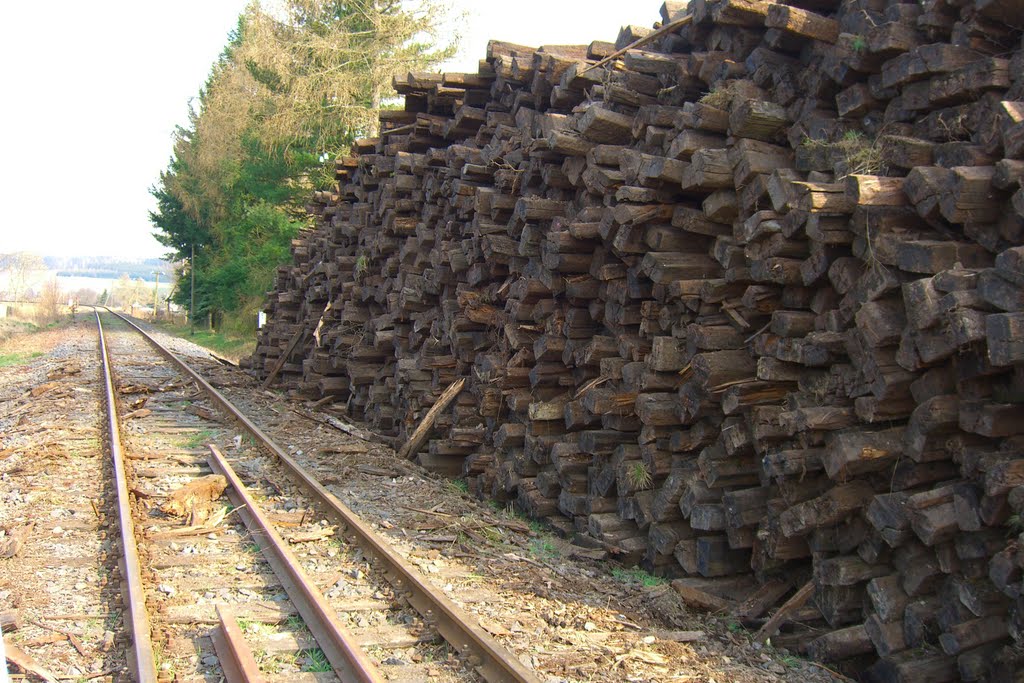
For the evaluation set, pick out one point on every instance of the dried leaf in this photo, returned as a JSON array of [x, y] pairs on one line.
[[42, 389]]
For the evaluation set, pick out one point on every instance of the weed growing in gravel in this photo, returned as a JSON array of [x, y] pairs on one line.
[[200, 438], [457, 485], [258, 628], [438, 653], [251, 547], [316, 660], [272, 662], [164, 664], [18, 358], [295, 624], [492, 534], [637, 577], [544, 549], [791, 661]]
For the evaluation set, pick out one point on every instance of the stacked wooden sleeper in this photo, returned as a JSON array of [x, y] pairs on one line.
[[743, 308]]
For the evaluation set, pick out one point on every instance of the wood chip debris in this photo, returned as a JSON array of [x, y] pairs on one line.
[[25, 662], [310, 536], [43, 388], [13, 538], [195, 499]]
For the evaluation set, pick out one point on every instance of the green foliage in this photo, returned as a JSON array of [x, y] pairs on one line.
[[200, 438], [316, 660], [222, 343], [544, 549], [638, 476], [457, 485], [293, 88], [637, 577], [791, 661], [18, 358]]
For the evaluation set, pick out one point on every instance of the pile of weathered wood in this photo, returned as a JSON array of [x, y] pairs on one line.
[[741, 303]]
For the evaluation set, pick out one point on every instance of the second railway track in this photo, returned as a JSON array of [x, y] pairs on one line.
[[214, 575]]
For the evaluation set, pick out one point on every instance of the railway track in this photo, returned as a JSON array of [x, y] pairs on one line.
[[273, 579]]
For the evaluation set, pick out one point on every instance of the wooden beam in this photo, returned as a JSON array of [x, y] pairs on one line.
[[667, 28], [419, 435], [284, 358], [798, 600]]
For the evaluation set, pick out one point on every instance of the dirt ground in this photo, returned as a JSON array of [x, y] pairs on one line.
[[569, 617]]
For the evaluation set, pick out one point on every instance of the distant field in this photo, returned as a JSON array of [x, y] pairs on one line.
[[73, 283]]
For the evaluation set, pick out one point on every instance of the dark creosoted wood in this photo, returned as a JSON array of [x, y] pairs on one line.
[[743, 304]]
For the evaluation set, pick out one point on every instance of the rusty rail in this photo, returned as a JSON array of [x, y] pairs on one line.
[[141, 658], [341, 649], [236, 659], [491, 660]]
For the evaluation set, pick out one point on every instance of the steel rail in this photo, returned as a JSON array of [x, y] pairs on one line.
[[141, 658], [339, 646], [491, 660], [236, 659]]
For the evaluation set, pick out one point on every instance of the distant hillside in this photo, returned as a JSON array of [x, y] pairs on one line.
[[108, 267]]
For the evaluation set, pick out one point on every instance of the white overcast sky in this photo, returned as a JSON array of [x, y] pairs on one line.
[[93, 91]]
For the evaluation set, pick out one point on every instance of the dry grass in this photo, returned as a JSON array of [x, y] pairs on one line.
[[719, 98], [855, 151]]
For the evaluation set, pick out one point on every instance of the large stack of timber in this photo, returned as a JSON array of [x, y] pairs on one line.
[[743, 303]]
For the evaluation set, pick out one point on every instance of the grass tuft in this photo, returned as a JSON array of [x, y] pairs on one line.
[[639, 476], [457, 485], [854, 151], [316, 661], [637, 577]]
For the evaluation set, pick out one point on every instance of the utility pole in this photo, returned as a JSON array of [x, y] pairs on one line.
[[192, 304], [156, 293]]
